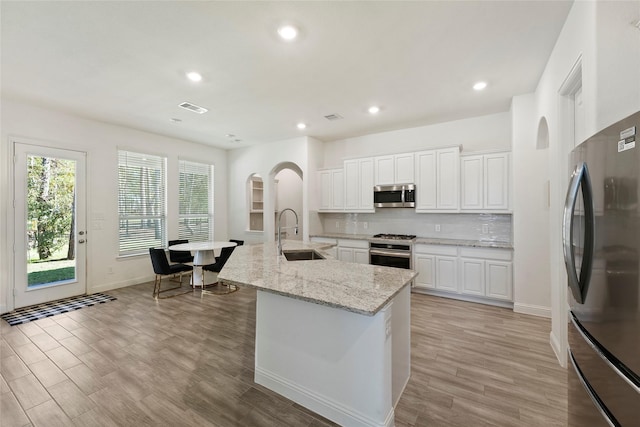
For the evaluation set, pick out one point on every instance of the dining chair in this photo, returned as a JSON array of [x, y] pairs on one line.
[[162, 268], [181, 257], [239, 242], [225, 253]]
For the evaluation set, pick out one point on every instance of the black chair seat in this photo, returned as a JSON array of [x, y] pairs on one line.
[[179, 268], [225, 253], [162, 267]]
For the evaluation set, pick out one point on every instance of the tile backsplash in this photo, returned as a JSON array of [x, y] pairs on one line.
[[474, 226]]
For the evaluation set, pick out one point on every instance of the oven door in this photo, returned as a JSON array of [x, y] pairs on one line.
[[390, 258]]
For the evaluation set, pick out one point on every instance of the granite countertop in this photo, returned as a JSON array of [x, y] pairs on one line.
[[359, 288], [424, 240]]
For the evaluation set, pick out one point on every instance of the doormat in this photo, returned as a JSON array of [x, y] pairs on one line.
[[48, 309]]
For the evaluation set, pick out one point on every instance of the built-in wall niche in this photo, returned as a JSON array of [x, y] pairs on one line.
[[255, 196]]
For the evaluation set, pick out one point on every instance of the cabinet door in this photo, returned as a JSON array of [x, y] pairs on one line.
[[366, 184], [351, 185], [326, 190], [496, 181], [499, 280], [403, 169], [345, 254], [361, 256], [446, 273], [337, 198], [472, 191], [384, 170], [425, 181], [448, 175], [425, 266], [472, 277]]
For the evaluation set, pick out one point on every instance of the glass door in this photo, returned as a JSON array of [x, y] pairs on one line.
[[50, 237]]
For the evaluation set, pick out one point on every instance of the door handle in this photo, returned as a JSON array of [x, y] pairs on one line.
[[579, 285]]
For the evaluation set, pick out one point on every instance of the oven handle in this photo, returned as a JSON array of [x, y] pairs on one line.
[[390, 253]]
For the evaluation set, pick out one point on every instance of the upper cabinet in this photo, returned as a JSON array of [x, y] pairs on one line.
[[394, 169], [331, 190], [485, 182], [437, 180], [358, 185]]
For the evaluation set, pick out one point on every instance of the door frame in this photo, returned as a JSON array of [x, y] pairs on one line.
[[44, 148]]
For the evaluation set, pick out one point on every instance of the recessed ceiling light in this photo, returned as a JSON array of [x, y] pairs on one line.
[[230, 135], [194, 76], [174, 120], [480, 85], [288, 32], [301, 126], [374, 109]]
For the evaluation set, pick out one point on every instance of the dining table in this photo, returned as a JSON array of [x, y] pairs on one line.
[[203, 254]]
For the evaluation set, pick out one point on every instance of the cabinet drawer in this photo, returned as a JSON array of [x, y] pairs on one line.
[[436, 249], [487, 253], [357, 244]]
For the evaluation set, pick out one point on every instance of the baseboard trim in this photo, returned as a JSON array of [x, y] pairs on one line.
[[555, 346], [116, 285], [320, 404], [534, 310]]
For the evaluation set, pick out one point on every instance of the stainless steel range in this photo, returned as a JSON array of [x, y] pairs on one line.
[[391, 250]]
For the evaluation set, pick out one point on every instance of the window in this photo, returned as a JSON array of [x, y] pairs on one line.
[[195, 210], [141, 202]]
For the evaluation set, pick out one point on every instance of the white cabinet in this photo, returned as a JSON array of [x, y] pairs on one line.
[[499, 280], [394, 169], [358, 185], [485, 182], [436, 266], [446, 277], [425, 266], [437, 180], [356, 251], [472, 276], [465, 271], [331, 190], [486, 272]]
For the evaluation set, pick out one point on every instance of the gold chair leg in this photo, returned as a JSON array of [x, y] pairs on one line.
[[157, 291]]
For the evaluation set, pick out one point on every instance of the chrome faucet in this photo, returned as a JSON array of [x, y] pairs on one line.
[[284, 228]]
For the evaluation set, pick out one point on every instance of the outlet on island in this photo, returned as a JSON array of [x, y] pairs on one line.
[[438, 228], [485, 228]]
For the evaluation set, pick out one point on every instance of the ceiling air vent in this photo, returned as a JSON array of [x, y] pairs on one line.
[[193, 107], [333, 117]]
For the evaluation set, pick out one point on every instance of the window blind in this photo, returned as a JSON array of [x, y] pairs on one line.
[[195, 210], [141, 202]]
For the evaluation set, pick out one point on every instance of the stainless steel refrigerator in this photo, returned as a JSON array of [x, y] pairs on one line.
[[601, 240]]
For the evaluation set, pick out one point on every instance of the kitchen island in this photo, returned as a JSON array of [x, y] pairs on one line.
[[330, 335]]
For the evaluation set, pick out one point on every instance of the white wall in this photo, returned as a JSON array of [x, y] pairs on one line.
[[601, 33], [100, 141], [531, 275], [290, 196], [264, 160], [491, 132]]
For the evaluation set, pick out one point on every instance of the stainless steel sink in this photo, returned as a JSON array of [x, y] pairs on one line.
[[302, 255]]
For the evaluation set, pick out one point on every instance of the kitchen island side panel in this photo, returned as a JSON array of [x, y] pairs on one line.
[[335, 362]]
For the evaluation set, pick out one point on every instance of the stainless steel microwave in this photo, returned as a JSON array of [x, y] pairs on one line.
[[394, 196]]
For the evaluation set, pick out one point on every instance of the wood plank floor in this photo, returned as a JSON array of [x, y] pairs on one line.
[[188, 361]]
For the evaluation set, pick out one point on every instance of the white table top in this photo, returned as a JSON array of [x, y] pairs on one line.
[[202, 246]]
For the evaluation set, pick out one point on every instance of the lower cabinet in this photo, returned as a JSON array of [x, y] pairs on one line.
[[476, 272], [356, 251]]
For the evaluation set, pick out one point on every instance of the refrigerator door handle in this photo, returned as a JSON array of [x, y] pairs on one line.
[[579, 285], [592, 394]]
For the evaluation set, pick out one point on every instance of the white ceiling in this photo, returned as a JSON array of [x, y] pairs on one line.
[[125, 63]]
